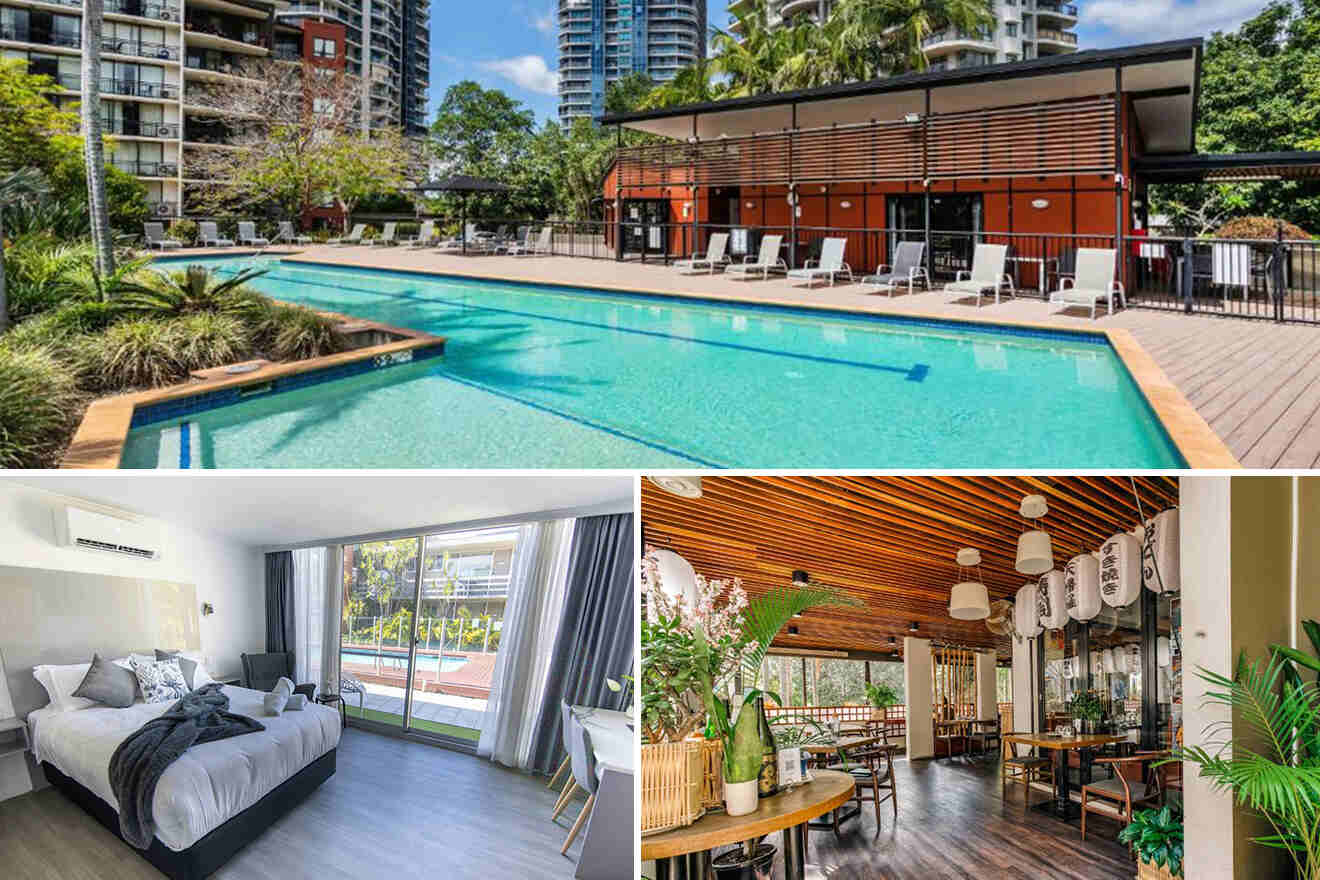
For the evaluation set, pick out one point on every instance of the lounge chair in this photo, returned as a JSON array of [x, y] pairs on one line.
[[763, 262], [209, 236], [828, 266], [456, 244], [353, 237], [719, 243], [386, 236], [1093, 282], [286, 234], [423, 237], [155, 237], [247, 235], [908, 267], [529, 248], [987, 273]]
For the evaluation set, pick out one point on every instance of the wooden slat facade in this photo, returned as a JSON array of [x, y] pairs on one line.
[[887, 541]]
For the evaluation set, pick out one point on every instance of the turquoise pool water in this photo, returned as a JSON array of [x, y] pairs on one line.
[[399, 661], [555, 377]]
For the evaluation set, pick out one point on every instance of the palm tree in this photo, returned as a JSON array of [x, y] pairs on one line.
[[887, 36], [93, 147], [693, 84], [15, 187]]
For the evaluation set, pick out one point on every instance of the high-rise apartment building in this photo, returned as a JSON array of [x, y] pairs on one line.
[[158, 57], [601, 41], [1022, 29]]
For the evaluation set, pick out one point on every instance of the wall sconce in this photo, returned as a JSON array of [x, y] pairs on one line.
[[207, 609], [687, 209], [845, 205], [912, 118], [1040, 204], [751, 205]]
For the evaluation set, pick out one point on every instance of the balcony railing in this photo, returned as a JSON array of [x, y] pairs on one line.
[[146, 168], [1067, 9], [139, 88], [249, 38], [27, 35], [139, 48], [157, 11], [955, 35], [1057, 37], [141, 128]]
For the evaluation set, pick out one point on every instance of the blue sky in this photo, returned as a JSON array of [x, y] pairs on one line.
[[511, 44]]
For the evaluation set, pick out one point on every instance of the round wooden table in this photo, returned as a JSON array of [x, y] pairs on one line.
[[684, 853]]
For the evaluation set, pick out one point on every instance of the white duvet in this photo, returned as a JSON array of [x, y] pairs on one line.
[[210, 783]]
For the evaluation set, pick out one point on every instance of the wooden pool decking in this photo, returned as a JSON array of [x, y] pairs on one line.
[[1256, 383]]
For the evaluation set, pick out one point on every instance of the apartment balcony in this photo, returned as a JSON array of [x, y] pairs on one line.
[[140, 49], [39, 38], [146, 168], [1062, 12], [952, 40], [799, 7], [208, 34], [1052, 42], [136, 88], [140, 9], [142, 129]]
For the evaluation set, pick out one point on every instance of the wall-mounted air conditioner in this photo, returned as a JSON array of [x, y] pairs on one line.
[[104, 533]]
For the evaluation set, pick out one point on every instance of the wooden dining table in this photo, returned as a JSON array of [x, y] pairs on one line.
[[1061, 746]]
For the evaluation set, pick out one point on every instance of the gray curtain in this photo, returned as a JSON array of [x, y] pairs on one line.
[[279, 602], [595, 637]]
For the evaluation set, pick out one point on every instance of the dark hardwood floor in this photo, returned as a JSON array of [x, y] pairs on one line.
[[953, 824], [393, 809]]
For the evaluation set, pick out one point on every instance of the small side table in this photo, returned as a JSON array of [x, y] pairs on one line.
[[8, 747], [332, 699]]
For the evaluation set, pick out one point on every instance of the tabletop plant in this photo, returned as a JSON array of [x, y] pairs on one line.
[[1271, 764], [881, 696], [1156, 838], [1086, 706]]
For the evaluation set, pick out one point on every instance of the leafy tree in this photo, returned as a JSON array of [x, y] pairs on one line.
[[1260, 91], [34, 133], [15, 187], [623, 95], [363, 168]]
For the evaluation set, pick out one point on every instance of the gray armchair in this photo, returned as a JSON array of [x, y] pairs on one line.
[[262, 671]]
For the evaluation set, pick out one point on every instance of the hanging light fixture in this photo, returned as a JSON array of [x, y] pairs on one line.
[[1035, 553], [969, 600], [801, 579], [682, 486]]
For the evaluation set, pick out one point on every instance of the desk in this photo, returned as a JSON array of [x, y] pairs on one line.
[[683, 854], [607, 851], [1062, 745]]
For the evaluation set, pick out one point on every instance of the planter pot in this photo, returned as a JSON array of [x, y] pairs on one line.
[[736, 865], [740, 797], [1147, 871]]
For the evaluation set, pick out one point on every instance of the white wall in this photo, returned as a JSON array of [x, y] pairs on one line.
[[920, 698], [987, 699], [1024, 686], [229, 575]]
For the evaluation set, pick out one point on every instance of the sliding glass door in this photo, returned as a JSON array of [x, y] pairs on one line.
[[418, 650]]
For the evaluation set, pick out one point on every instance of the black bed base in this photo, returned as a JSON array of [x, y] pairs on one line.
[[208, 854]]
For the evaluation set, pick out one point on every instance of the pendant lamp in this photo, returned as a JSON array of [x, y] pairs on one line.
[[1050, 601], [1035, 553], [1026, 619], [1081, 583], [678, 579], [969, 599]]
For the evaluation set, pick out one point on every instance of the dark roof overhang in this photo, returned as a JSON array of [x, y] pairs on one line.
[[1227, 167]]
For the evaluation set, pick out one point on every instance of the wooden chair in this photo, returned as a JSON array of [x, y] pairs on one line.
[[1133, 785], [566, 722], [583, 759], [985, 734], [949, 732], [870, 780], [1021, 769]]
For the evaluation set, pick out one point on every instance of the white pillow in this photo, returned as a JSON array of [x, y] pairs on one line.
[[161, 681], [60, 682], [200, 675]]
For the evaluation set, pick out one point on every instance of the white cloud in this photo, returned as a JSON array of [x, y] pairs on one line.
[[1167, 19], [546, 22], [527, 71]]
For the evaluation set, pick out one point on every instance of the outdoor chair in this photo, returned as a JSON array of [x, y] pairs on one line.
[[715, 256], [1021, 769], [470, 236], [386, 236], [155, 236], [354, 236], [1094, 281], [829, 265], [1230, 268], [286, 234], [872, 783], [908, 267], [423, 237], [987, 273], [1133, 785], [763, 262], [531, 248], [262, 671], [209, 236], [247, 235]]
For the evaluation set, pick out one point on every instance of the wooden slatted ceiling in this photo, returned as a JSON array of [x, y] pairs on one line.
[[888, 541]]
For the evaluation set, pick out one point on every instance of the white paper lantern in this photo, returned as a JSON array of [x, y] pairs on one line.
[[969, 601], [1069, 667], [678, 579], [1162, 657], [1159, 556], [1081, 586], [1107, 661], [1035, 555], [1050, 604], [1133, 653], [1120, 570], [1026, 617], [1120, 661]]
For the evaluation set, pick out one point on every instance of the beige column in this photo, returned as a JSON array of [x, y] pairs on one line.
[[987, 701], [920, 697]]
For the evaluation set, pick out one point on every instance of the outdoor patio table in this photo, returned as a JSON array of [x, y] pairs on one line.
[[684, 853], [1043, 264], [1062, 745]]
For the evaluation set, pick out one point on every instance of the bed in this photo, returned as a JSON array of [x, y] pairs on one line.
[[216, 798]]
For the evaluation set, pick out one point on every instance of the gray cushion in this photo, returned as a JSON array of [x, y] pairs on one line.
[[186, 666], [108, 683]]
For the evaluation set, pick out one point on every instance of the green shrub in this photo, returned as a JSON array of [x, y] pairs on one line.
[[39, 401], [190, 291], [61, 330], [198, 342], [38, 273], [130, 354], [295, 333], [184, 231]]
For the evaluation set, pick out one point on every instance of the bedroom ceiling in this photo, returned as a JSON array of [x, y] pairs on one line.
[[888, 541], [272, 509]]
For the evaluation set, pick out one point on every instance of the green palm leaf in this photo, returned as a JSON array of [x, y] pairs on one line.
[[767, 615]]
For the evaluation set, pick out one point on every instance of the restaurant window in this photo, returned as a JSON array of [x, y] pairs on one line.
[[324, 48]]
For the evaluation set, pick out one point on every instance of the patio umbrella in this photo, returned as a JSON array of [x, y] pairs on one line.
[[464, 185]]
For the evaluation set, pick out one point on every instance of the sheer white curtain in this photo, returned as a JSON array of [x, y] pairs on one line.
[[316, 617], [531, 620]]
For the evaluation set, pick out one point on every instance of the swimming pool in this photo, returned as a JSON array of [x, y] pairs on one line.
[[535, 376], [399, 661]]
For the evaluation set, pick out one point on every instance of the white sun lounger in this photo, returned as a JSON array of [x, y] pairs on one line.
[[353, 237], [386, 236], [529, 248], [247, 235], [155, 237], [209, 236], [828, 266], [763, 262], [423, 237], [987, 273], [1094, 281], [719, 243], [908, 268], [285, 233]]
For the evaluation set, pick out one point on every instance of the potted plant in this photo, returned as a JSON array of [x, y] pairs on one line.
[[881, 696], [1156, 839], [1086, 709], [1275, 768]]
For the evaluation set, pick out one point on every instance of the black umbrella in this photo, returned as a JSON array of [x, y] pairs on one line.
[[464, 185]]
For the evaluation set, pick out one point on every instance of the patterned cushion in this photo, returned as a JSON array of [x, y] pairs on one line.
[[161, 680]]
